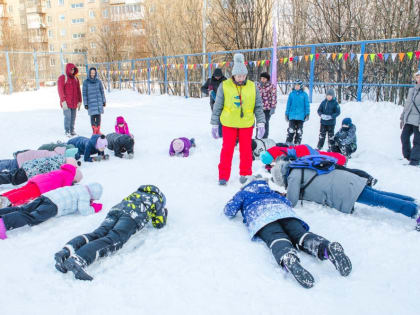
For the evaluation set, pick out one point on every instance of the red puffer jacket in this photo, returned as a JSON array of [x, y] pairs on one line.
[[69, 87]]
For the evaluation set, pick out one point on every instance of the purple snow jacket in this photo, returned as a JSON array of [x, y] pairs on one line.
[[187, 147]]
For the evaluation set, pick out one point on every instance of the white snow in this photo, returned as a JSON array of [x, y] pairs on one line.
[[202, 262]]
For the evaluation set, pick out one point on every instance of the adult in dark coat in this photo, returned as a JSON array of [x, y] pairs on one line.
[[328, 110], [87, 147], [70, 97], [120, 144], [94, 99]]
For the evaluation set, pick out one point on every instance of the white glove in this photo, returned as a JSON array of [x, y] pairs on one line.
[[326, 117], [64, 104]]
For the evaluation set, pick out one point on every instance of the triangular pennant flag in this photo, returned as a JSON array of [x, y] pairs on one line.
[[285, 60], [417, 54], [223, 63], [333, 55], [295, 58], [365, 56], [246, 63], [380, 56], [258, 63], [340, 55], [227, 64], [372, 57], [195, 66], [346, 56], [306, 58], [401, 55], [262, 62], [311, 56], [386, 56], [290, 59], [393, 56], [206, 65], [300, 58], [410, 55], [328, 56], [267, 62], [316, 56], [352, 55]]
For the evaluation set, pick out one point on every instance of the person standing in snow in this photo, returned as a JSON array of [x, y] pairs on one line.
[[94, 99], [297, 112], [70, 97], [345, 140], [268, 93], [238, 104], [328, 110], [269, 216], [57, 202], [210, 89], [410, 124], [125, 219]]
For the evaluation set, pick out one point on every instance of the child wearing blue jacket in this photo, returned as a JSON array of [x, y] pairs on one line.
[[297, 112], [269, 216], [87, 147], [328, 110]]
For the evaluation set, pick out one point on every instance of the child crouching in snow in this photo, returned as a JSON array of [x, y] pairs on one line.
[[122, 222], [270, 217], [58, 202], [40, 184], [181, 145], [120, 143]]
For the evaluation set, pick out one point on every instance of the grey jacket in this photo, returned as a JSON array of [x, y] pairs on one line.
[[410, 114], [220, 103], [338, 189]]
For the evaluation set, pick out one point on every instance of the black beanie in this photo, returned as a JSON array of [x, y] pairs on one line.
[[265, 75]]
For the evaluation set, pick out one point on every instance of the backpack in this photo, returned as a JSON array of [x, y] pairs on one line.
[[321, 164]]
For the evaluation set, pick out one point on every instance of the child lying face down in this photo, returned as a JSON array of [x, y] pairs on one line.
[[181, 146]]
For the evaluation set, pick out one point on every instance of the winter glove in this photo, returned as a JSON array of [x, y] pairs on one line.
[[97, 158], [106, 157], [64, 105], [79, 105], [286, 118], [86, 107], [130, 156], [260, 130], [104, 104], [306, 117], [96, 206], [326, 117], [272, 111], [215, 131], [213, 95]]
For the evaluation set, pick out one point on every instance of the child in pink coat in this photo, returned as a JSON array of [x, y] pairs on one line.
[[121, 127], [40, 184]]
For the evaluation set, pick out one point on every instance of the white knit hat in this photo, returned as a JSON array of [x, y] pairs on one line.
[[417, 73], [239, 67]]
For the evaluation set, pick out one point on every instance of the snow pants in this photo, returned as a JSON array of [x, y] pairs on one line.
[[230, 136], [22, 195], [69, 119], [395, 202], [109, 237], [345, 149], [411, 153], [295, 130], [9, 165], [323, 134], [33, 213], [15, 177], [267, 113], [282, 235], [95, 120]]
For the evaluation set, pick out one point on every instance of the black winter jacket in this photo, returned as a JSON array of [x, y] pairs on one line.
[[120, 143]]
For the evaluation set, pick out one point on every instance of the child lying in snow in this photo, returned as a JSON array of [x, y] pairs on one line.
[[87, 147], [269, 216], [122, 222], [40, 184], [57, 202], [181, 145]]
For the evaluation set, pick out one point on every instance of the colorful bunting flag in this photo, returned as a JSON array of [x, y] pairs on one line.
[[417, 54], [352, 56], [285, 60], [365, 56], [372, 57], [306, 58], [380, 56], [340, 55], [393, 56], [401, 55], [386, 56], [333, 55], [410, 55], [328, 56], [311, 56], [316, 56], [359, 56], [346, 56]]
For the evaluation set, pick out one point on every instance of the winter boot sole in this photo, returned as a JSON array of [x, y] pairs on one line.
[[60, 259], [78, 271], [302, 276], [341, 262]]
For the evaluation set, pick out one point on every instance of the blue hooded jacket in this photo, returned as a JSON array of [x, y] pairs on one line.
[[93, 94], [297, 105], [85, 146], [260, 205], [331, 108]]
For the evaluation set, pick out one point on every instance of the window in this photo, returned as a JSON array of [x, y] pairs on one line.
[[50, 33], [77, 5], [105, 13], [52, 62], [63, 32], [60, 2], [63, 46], [10, 9], [78, 21], [49, 20], [78, 35], [92, 45], [91, 1], [49, 4], [91, 13], [51, 47], [62, 17], [105, 1], [92, 29]]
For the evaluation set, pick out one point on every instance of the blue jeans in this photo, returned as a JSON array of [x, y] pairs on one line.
[[395, 202], [69, 119], [9, 165]]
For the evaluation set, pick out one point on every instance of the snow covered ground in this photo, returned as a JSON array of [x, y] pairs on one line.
[[201, 262]]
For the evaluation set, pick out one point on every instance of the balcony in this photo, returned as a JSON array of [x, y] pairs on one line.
[[38, 39], [39, 9]]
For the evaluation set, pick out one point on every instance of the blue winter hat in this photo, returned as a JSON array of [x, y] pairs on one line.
[[266, 157], [347, 122], [71, 152]]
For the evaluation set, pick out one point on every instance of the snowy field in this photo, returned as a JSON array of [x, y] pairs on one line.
[[202, 262]]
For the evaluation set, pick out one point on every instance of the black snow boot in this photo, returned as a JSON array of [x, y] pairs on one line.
[[292, 264], [371, 181], [77, 265], [60, 257], [335, 253]]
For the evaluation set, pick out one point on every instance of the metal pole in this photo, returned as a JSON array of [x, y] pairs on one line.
[[186, 75], [312, 74], [87, 65], [165, 60], [62, 61], [36, 71], [204, 38], [133, 75], [119, 73], [209, 61], [9, 73], [108, 76], [148, 77], [361, 70]]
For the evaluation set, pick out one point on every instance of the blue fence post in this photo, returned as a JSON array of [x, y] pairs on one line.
[[209, 63], [108, 76], [9, 73], [119, 73], [312, 74], [36, 71], [165, 60], [133, 75], [62, 61], [186, 76], [361, 70], [87, 65], [148, 77]]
